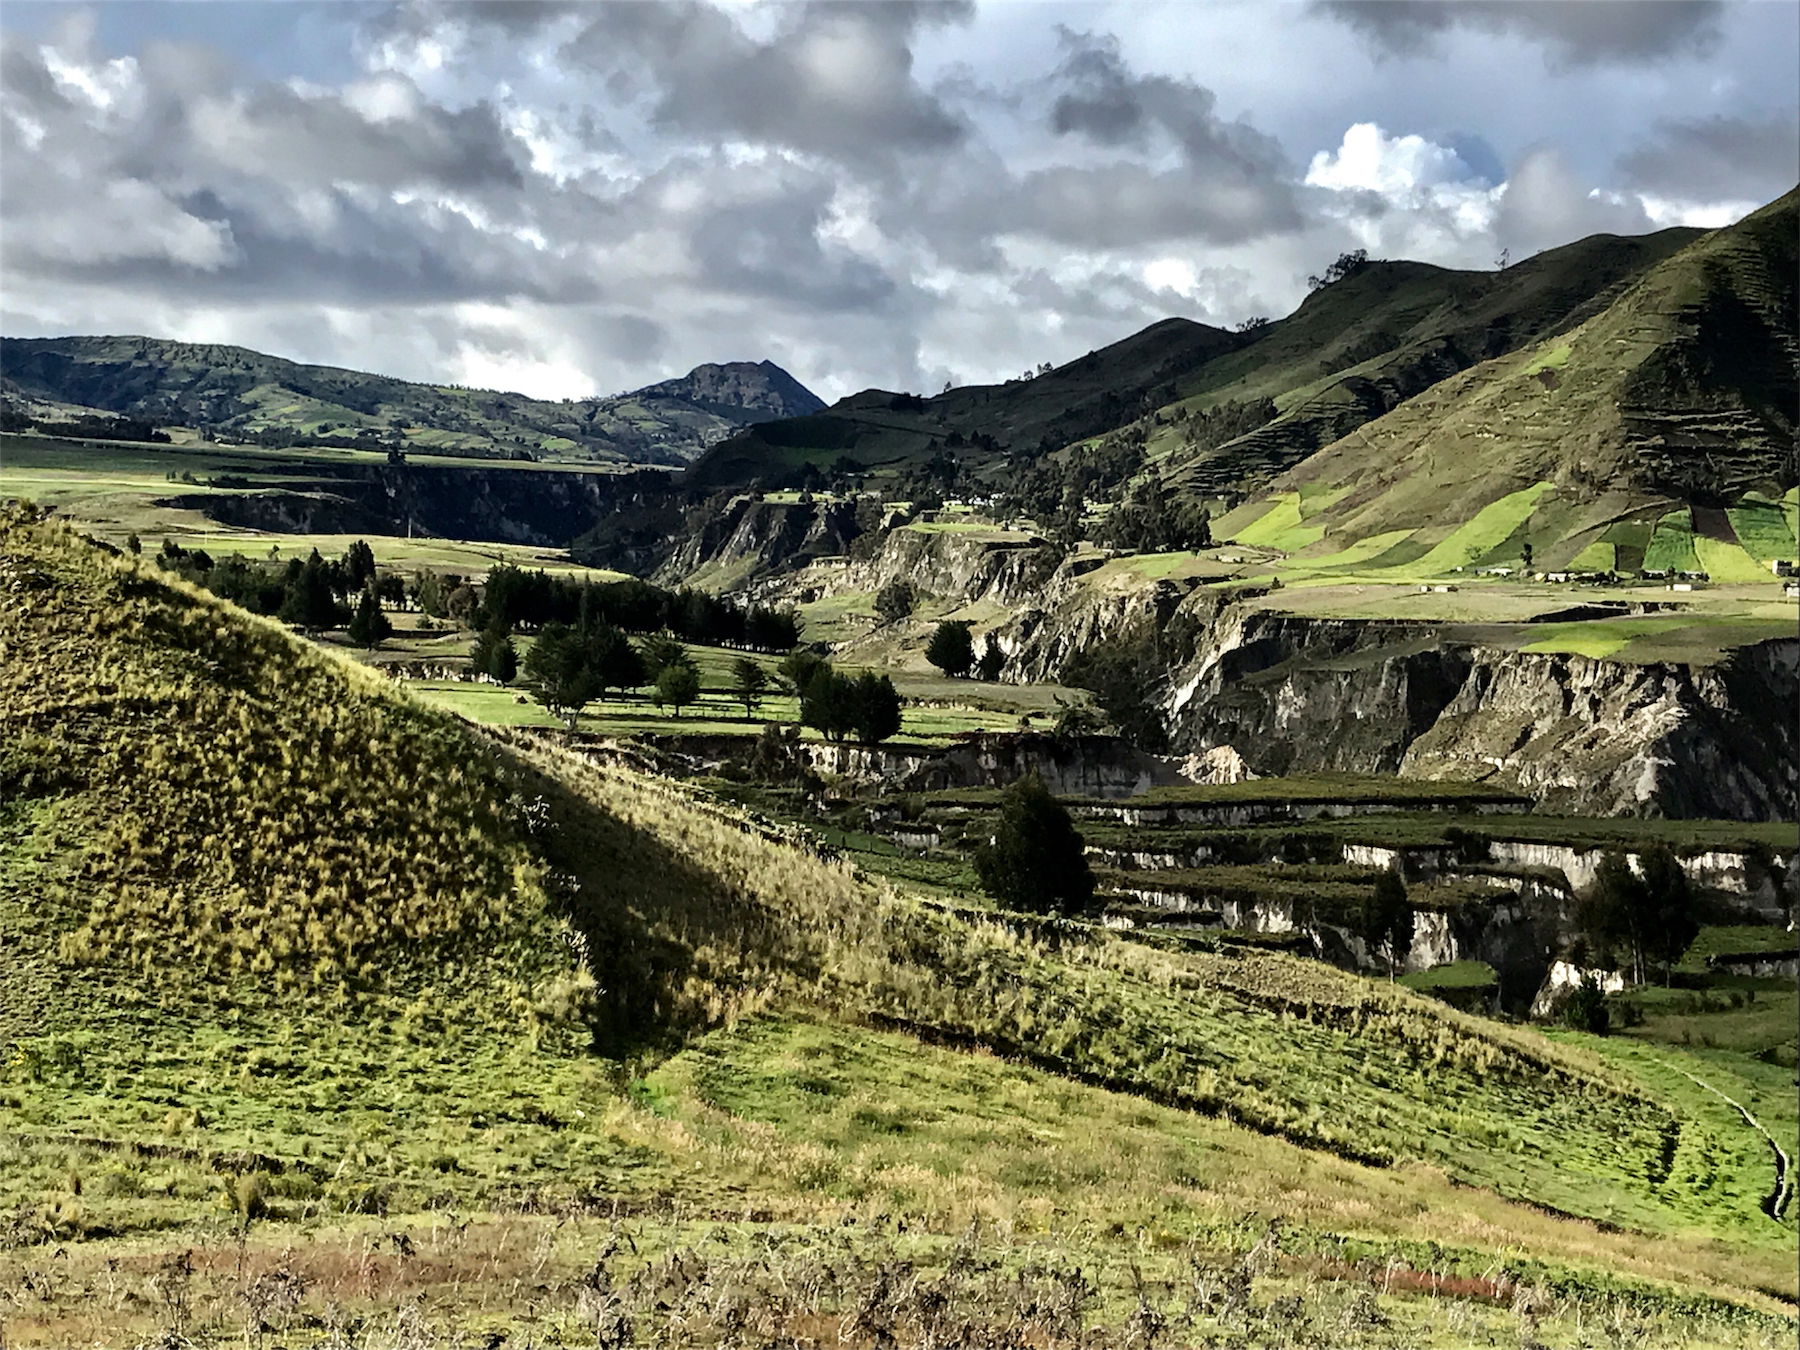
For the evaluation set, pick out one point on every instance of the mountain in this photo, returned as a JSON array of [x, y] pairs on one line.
[[890, 433], [1385, 333], [235, 393], [1352, 351], [1680, 397]]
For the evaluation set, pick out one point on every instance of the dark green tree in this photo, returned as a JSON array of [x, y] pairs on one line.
[[659, 650], [308, 602], [358, 564], [561, 672], [369, 627], [750, 681], [677, 684], [798, 669], [495, 656], [951, 649], [1036, 859], [615, 661], [1610, 912], [993, 660], [828, 704], [1672, 915], [877, 707], [896, 600], [1386, 917], [1585, 1008], [1115, 673]]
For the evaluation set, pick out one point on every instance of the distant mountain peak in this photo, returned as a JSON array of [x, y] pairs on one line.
[[759, 388]]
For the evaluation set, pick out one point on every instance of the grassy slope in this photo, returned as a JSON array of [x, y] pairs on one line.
[[374, 1006], [1635, 407]]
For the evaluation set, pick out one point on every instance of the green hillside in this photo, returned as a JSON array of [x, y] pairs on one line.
[[1681, 392], [885, 433], [237, 394], [1362, 346], [299, 974]]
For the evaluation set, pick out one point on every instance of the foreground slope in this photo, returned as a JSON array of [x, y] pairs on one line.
[[279, 940], [238, 392]]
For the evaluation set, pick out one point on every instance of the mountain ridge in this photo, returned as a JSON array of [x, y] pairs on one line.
[[234, 391]]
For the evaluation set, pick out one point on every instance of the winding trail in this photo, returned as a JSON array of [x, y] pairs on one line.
[[1776, 1200]]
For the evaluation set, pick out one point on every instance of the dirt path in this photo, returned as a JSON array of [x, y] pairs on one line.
[[1776, 1200]]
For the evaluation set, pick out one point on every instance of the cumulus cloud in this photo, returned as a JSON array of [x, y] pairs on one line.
[[571, 198], [1572, 32]]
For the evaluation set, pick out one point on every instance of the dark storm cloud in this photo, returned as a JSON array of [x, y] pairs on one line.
[[1572, 32], [1734, 158], [834, 79]]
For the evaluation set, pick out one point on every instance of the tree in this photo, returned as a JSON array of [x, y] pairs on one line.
[[1076, 719], [951, 649], [1036, 860], [1585, 1008], [659, 650], [750, 681], [828, 704], [307, 601], [1671, 919], [134, 544], [1115, 673], [559, 666], [1385, 916], [876, 707], [993, 660], [1346, 264], [1610, 912], [369, 627], [359, 564], [495, 656], [677, 684], [896, 600], [615, 661], [798, 670]]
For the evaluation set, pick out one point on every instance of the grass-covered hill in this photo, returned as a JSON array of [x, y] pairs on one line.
[[1362, 346], [1352, 351], [1670, 414], [888, 433], [383, 1019], [237, 393]]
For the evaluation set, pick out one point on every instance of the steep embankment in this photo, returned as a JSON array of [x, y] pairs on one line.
[[1582, 735], [267, 910]]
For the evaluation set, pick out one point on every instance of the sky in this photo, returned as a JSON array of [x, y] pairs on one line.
[[571, 199]]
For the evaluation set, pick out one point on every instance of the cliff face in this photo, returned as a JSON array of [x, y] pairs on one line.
[[1293, 694], [1580, 735]]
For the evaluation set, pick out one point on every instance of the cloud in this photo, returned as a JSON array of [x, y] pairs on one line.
[[1545, 204], [1573, 33], [834, 79], [572, 197], [1717, 158]]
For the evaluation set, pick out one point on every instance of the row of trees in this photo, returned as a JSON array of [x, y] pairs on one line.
[[518, 599], [839, 706], [314, 593], [952, 650]]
